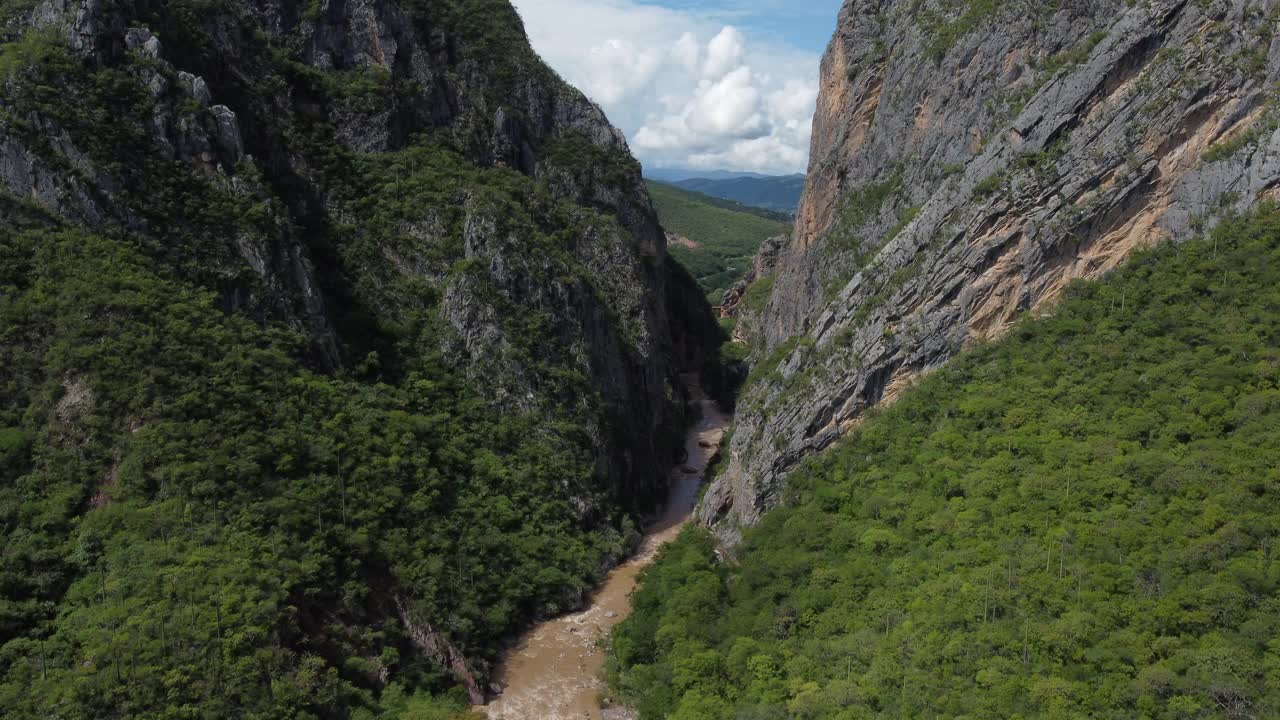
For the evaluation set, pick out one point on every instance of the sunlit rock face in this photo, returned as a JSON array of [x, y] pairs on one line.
[[967, 164]]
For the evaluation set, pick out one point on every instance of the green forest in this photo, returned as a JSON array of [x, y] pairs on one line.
[[727, 234], [1081, 520], [249, 523], [201, 519], [244, 523], [778, 193]]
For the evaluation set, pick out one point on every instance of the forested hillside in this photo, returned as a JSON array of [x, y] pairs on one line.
[[1080, 520], [338, 342], [969, 160], [777, 193], [198, 524], [722, 236]]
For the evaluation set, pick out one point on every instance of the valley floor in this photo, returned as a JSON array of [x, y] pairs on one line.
[[553, 673]]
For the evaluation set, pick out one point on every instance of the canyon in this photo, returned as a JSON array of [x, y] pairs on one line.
[[344, 366], [554, 672], [968, 163]]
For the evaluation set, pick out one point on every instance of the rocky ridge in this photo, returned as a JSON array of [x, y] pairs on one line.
[[373, 77], [391, 182], [970, 160]]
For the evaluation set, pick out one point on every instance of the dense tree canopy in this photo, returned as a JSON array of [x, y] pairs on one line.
[[225, 551], [201, 514], [1078, 521]]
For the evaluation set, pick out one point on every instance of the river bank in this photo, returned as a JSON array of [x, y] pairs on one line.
[[553, 672]]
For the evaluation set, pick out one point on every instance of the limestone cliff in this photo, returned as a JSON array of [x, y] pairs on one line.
[[357, 293], [969, 160], [284, 108]]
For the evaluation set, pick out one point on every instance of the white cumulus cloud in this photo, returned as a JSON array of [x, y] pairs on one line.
[[724, 52], [687, 52], [689, 90]]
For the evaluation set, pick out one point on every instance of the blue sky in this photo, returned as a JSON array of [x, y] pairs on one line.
[[805, 24], [710, 84]]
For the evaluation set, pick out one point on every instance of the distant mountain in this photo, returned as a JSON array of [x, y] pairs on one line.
[[673, 175], [780, 193]]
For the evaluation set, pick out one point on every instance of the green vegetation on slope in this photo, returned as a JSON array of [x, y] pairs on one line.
[[196, 520], [226, 550], [727, 234], [780, 194], [1079, 521], [723, 203]]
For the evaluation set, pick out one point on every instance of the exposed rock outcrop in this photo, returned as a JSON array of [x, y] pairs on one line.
[[967, 164], [763, 265], [385, 76], [435, 645], [392, 182]]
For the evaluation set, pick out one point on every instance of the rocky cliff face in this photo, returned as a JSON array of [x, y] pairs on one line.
[[970, 160], [284, 109], [466, 332]]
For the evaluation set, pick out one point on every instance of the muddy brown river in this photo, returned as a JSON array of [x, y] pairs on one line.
[[553, 673]]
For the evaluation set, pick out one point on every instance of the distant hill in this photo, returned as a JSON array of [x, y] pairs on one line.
[[674, 175], [779, 193], [714, 239]]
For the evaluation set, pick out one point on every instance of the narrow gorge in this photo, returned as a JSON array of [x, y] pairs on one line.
[[1008, 441], [554, 672], [346, 372]]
